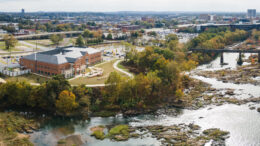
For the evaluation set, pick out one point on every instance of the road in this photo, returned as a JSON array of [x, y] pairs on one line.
[[44, 34]]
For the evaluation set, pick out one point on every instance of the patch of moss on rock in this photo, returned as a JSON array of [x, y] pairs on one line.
[[119, 133], [98, 132], [98, 135], [216, 134]]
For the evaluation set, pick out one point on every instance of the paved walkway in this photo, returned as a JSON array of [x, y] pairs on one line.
[[121, 70], [95, 85], [2, 80], [35, 84]]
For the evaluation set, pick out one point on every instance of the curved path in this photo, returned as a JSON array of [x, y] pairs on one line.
[[115, 65], [2, 80]]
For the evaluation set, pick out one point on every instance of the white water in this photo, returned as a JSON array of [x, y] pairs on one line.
[[242, 123]]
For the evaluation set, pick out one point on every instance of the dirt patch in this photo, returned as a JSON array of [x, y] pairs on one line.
[[97, 128]]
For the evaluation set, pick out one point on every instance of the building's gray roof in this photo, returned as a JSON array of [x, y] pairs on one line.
[[61, 55], [47, 58]]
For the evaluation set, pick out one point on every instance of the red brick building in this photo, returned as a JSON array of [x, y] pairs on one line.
[[69, 61]]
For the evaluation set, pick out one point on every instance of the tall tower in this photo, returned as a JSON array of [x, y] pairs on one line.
[[251, 13], [23, 12]]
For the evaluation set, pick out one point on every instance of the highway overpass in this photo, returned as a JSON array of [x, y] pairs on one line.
[[41, 35]]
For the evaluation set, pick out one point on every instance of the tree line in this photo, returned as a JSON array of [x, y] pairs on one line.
[[215, 39], [54, 96]]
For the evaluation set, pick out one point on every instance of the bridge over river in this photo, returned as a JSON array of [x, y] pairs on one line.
[[227, 51]]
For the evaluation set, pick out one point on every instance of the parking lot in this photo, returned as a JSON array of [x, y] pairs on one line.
[[10, 62], [113, 51]]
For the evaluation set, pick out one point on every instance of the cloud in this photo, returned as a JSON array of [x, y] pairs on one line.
[[129, 5]]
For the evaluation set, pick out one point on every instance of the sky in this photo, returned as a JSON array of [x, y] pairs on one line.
[[129, 5]]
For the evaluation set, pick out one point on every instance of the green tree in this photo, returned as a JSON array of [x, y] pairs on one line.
[[109, 36], [15, 93], [80, 41], [56, 39], [155, 83], [171, 37], [113, 86], [10, 42], [51, 90], [88, 34]]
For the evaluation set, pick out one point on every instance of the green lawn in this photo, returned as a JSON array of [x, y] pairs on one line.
[[48, 43], [107, 67], [122, 66], [43, 43], [2, 47], [2, 44], [31, 78]]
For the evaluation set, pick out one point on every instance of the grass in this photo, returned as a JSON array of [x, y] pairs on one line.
[[28, 46], [48, 43], [121, 66], [107, 67], [10, 124], [2, 47], [44, 43], [31, 78]]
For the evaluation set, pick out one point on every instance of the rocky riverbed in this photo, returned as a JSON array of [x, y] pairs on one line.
[[180, 134], [248, 74], [212, 112]]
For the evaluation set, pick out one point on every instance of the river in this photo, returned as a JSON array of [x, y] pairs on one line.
[[242, 123]]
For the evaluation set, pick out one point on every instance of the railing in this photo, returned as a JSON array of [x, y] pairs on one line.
[[14, 73], [225, 50]]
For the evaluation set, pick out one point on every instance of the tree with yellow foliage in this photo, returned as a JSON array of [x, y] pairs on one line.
[[66, 102]]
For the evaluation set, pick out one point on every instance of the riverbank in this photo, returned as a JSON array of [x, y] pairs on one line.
[[14, 129], [248, 74]]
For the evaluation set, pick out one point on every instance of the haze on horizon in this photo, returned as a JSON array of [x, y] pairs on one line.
[[128, 5]]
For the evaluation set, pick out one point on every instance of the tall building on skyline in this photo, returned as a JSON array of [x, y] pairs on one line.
[[23, 11], [251, 13]]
